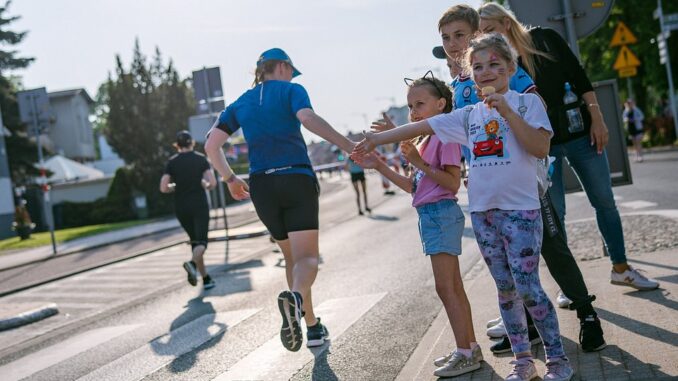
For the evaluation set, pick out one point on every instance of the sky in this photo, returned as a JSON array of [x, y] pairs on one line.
[[353, 53]]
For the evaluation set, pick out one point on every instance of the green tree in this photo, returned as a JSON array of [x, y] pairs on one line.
[[21, 151], [147, 105], [650, 85]]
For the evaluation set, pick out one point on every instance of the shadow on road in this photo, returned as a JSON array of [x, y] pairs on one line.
[[321, 368], [172, 344]]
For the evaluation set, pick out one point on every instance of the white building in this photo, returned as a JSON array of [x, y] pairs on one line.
[[71, 134]]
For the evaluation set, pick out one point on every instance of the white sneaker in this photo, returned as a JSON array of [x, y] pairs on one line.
[[476, 352], [498, 331], [457, 364], [523, 370], [633, 278], [562, 300], [493, 322]]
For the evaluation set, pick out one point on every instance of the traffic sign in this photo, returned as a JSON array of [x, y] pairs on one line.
[[625, 59], [627, 72], [671, 21], [622, 36]]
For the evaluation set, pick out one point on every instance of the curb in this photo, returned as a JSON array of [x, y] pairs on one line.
[[28, 317]]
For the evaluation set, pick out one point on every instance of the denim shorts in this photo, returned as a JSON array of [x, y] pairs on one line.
[[441, 225]]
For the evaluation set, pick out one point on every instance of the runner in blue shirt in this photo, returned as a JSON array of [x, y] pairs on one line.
[[282, 184]]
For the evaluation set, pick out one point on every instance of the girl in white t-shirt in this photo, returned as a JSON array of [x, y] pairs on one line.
[[506, 134]]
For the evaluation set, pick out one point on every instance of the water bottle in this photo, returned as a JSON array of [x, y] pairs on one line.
[[574, 118]]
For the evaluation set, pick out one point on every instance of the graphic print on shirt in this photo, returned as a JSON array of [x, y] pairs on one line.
[[488, 142]]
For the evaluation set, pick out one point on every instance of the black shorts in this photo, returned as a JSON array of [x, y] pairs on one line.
[[195, 221], [285, 203], [360, 176]]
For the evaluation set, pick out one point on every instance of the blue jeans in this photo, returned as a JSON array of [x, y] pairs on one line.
[[593, 173]]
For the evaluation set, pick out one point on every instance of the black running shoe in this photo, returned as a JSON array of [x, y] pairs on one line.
[[192, 272], [504, 346], [208, 283], [316, 335], [591, 334], [289, 304]]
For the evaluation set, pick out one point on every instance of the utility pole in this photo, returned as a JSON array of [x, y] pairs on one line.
[[672, 97]]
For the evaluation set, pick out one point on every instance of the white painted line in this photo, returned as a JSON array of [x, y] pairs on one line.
[[272, 361], [669, 213], [57, 353], [161, 351], [640, 204]]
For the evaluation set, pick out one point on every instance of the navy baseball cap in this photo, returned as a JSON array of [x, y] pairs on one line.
[[184, 138], [439, 52], [280, 55]]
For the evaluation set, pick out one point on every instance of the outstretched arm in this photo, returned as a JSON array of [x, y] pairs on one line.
[[374, 162], [314, 123], [405, 132]]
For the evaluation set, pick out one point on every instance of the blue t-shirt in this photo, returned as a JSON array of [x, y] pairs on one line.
[[465, 89], [267, 114]]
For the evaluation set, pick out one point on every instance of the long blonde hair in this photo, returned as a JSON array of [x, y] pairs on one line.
[[517, 35]]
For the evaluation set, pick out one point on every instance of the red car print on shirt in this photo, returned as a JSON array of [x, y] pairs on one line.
[[491, 147]]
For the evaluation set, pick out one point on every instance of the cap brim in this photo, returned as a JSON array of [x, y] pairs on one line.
[[439, 52], [295, 72]]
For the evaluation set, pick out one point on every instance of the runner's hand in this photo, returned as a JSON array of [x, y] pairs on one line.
[[239, 189], [384, 124], [365, 146]]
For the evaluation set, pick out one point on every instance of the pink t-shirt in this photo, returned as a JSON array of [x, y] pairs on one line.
[[437, 155]]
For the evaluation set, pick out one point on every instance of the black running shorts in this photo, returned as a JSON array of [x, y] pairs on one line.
[[355, 177], [285, 203], [195, 221]]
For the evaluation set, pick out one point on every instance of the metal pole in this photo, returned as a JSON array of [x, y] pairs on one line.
[[220, 184], [45, 189], [669, 74], [629, 88], [569, 27]]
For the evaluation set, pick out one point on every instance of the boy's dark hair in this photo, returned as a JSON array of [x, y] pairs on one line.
[[461, 12]]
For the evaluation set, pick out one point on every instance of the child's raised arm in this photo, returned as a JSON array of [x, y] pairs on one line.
[[405, 132]]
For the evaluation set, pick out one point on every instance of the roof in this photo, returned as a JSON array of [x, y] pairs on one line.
[[67, 170], [71, 93]]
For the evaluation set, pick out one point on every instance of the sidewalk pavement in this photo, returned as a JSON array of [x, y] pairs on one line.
[[640, 326], [26, 256]]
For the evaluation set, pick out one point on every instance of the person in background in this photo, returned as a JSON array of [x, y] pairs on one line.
[[633, 120], [358, 180], [188, 175]]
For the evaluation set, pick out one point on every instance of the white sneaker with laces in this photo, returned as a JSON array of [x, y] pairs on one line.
[[476, 352], [523, 370], [457, 364], [493, 322], [562, 300], [498, 331], [633, 278]]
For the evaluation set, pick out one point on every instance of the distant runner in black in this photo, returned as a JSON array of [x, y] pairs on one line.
[[188, 175]]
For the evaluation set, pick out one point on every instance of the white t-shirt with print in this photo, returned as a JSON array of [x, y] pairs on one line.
[[503, 175]]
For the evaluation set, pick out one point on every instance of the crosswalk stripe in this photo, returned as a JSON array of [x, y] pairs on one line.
[[57, 353], [161, 351], [273, 362]]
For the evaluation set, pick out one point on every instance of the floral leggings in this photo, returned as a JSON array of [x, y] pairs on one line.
[[510, 242]]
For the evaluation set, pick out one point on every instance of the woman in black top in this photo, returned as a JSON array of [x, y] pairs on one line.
[[551, 63], [188, 175]]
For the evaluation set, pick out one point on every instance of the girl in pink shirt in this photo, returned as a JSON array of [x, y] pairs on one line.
[[433, 182]]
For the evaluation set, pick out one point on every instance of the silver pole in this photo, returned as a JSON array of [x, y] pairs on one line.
[[672, 97], [47, 207], [629, 88], [569, 27]]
